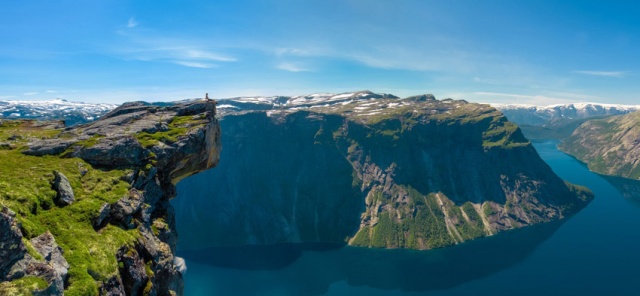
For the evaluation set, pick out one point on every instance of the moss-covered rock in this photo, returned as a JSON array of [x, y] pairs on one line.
[[121, 186]]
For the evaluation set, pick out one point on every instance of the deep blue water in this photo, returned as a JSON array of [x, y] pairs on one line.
[[595, 252]]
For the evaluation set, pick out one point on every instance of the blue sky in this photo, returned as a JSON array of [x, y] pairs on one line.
[[538, 52]]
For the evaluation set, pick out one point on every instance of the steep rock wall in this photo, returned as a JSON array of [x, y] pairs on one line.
[[428, 175]]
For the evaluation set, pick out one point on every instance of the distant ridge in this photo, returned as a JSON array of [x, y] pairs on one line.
[[58, 109]]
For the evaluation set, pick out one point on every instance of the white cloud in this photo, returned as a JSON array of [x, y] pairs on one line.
[[603, 73], [51, 91], [30, 93], [6, 97], [194, 64], [507, 98], [132, 23], [185, 52], [198, 54], [291, 67], [171, 53]]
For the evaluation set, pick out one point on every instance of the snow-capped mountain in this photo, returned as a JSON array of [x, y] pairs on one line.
[[544, 115], [71, 112], [230, 105]]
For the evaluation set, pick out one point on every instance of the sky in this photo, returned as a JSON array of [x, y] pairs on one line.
[[529, 52]]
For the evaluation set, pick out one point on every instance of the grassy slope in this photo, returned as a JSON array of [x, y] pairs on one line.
[[606, 152], [26, 189]]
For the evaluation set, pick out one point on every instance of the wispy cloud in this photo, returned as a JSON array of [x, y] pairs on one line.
[[6, 97], [180, 55], [603, 73], [132, 23], [194, 64], [179, 51], [30, 93], [292, 67], [51, 91]]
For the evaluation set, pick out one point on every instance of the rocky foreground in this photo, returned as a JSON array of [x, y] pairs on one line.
[[85, 210], [609, 146]]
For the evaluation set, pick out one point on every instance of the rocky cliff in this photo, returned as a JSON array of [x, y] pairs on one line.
[[369, 170], [85, 210], [609, 146]]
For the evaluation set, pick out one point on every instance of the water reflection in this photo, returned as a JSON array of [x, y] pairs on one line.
[[309, 269], [629, 188]]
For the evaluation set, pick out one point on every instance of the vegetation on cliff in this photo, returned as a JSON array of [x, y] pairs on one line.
[[381, 172], [609, 146], [106, 231]]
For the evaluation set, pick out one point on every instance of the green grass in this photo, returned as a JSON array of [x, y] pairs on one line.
[[90, 142], [421, 227], [23, 286], [26, 189], [502, 133], [179, 126]]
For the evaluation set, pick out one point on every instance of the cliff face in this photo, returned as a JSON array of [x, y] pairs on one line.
[[85, 210], [609, 146], [411, 173]]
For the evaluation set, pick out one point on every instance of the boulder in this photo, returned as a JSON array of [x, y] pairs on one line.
[[48, 147], [11, 247], [103, 216], [63, 188], [46, 245]]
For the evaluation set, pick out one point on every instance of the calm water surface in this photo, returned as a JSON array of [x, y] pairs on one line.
[[596, 252]]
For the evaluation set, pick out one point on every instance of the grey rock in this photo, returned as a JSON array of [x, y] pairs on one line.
[[49, 274], [61, 185], [133, 271], [48, 147], [14, 137], [123, 151], [112, 287], [11, 247], [422, 98], [104, 214], [46, 245], [123, 210]]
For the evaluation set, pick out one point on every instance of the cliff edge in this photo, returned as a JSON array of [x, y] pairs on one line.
[[85, 210]]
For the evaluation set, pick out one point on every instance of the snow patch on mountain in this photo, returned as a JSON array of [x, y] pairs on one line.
[[58, 109]]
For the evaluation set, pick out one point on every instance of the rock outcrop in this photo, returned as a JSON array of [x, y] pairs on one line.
[[64, 196], [379, 172], [112, 182], [609, 146], [11, 247]]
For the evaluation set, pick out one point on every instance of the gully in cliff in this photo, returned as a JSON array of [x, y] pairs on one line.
[[86, 209]]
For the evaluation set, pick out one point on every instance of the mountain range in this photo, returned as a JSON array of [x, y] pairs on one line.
[[71, 112]]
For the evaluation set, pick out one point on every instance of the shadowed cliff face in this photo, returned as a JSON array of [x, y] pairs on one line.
[[422, 175], [91, 215], [294, 187]]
